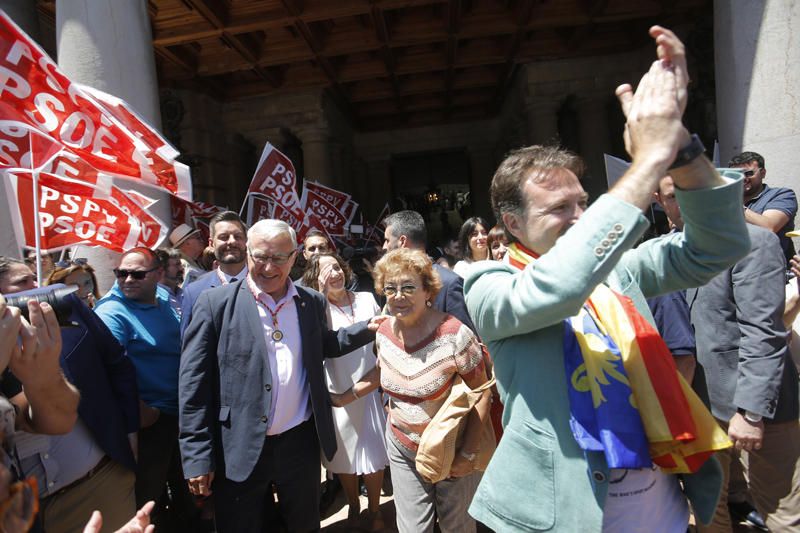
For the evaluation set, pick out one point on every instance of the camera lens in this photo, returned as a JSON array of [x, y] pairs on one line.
[[56, 297]]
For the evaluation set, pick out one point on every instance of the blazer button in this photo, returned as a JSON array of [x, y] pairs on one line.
[[618, 228], [605, 243], [611, 236], [264, 419], [599, 252], [599, 476], [268, 387]]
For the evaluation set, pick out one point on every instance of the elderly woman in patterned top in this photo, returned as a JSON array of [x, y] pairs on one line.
[[420, 351]]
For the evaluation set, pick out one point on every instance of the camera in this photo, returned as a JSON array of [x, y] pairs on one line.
[[55, 295]]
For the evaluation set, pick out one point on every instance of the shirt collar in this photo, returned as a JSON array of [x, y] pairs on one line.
[[291, 291], [242, 273]]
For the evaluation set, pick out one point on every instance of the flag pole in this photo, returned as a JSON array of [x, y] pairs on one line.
[[36, 221]]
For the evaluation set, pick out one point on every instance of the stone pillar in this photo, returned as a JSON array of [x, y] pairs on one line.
[[23, 13], [757, 61], [107, 44], [593, 136], [316, 154], [542, 114]]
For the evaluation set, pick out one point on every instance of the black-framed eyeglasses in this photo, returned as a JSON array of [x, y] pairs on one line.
[[275, 259], [135, 274], [405, 290], [81, 261]]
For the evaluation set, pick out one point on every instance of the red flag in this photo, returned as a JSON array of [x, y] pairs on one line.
[[77, 213], [336, 198], [275, 178], [333, 220], [33, 90]]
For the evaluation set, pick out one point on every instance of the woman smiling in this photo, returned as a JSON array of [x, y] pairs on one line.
[[420, 353]]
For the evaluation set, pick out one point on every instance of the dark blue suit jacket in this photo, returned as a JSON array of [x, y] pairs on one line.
[[209, 280], [225, 379], [451, 298], [96, 364]]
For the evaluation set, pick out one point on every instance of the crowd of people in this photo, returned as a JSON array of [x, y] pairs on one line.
[[558, 374]]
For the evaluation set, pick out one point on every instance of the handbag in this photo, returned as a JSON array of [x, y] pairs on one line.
[[443, 435]]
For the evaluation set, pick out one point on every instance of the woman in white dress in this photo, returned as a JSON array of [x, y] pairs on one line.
[[472, 241], [360, 425]]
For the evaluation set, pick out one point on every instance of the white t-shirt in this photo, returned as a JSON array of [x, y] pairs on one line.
[[644, 501]]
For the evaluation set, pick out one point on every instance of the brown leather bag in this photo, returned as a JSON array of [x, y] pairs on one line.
[[440, 440]]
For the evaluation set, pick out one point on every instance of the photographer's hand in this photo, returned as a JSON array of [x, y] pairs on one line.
[[49, 404], [36, 365]]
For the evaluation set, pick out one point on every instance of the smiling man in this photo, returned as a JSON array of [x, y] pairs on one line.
[[565, 318], [228, 237], [140, 317], [254, 405]]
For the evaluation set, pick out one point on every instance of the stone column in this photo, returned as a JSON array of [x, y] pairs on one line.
[[757, 61], [594, 140], [316, 154], [23, 13], [542, 114], [107, 44]]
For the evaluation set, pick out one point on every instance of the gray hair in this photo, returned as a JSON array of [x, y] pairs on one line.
[[408, 223], [272, 228]]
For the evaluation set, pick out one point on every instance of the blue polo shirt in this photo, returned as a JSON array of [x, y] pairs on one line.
[[780, 199], [151, 337]]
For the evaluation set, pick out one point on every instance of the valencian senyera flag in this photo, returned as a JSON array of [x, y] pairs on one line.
[[626, 397]]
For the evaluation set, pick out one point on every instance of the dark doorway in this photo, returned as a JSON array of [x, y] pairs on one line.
[[437, 185]]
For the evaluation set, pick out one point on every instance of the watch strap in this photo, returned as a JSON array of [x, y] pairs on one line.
[[689, 152]]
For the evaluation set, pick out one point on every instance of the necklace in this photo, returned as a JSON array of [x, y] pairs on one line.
[[350, 317], [277, 334]]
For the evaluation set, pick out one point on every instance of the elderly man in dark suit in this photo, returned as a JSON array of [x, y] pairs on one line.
[[752, 383], [228, 237], [254, 406]]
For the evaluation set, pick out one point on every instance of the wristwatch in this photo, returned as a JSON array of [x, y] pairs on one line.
[[752, 417], [468, 456], [689, 152]]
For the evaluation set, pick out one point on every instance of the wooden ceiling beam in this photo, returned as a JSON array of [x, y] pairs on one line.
[[295, 9], [179, 56], [382, 33], [507, 72]]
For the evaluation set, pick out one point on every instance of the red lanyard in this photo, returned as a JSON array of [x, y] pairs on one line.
[[351, 319], [277, 334]]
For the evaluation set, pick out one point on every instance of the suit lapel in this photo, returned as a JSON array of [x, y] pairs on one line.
[[305, 315], [249, 307]]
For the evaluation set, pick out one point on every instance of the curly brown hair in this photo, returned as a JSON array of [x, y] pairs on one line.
[[312, 270], [405, 261]]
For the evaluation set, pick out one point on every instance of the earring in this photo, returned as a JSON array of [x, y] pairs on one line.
[[428, 303]]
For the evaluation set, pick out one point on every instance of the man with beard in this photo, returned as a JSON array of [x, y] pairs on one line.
[[229, 240]]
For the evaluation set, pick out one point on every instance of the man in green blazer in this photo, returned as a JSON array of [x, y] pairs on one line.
[[540, 479]]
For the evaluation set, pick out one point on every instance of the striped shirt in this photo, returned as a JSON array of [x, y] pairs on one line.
[[418, 377]]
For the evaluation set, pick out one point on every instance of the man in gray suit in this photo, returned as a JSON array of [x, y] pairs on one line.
[[254, 406], [752, 383]]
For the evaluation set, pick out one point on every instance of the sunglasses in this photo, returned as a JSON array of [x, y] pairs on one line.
[[749, 173], [406, 290], [135, 274], [81, 261]]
